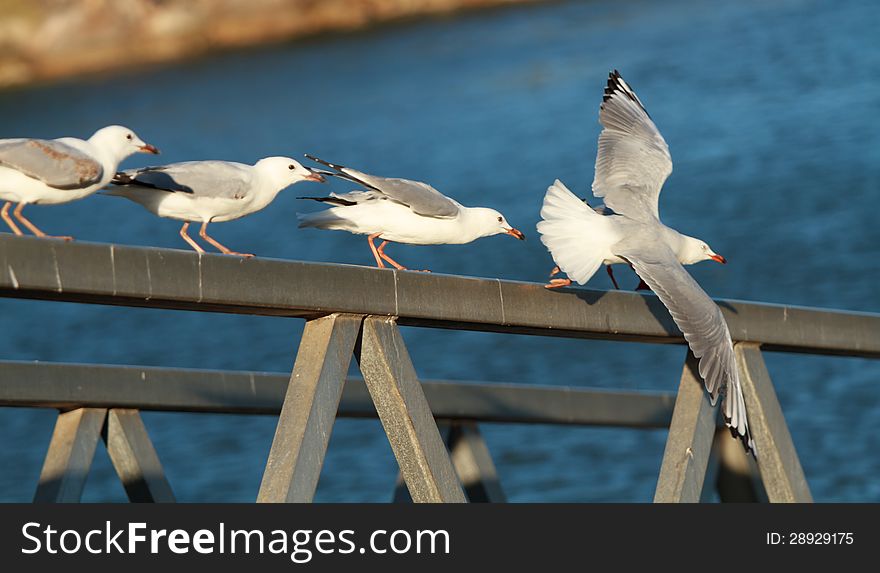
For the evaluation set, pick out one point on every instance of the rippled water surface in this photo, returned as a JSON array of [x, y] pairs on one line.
[[772, 114]]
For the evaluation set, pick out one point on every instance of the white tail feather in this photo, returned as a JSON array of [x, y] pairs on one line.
[[570, 231]]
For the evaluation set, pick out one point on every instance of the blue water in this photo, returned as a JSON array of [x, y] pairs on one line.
[[772, 114]]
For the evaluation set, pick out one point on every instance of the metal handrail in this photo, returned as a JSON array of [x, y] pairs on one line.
[[173, 279], [69, 386]]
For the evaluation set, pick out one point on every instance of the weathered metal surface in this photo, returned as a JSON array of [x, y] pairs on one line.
[[70, 455], [473, 464], [109, 274], [778, 462], [43, 384], [405, 414], [309, 409], [401, 493], [134, 457], [690, 441]]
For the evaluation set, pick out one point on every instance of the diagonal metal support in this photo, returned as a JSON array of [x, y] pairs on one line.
[[70, 455], [309, 409], [405, 414], [778, 462], [472, 462], [134, 457], [690, 440]]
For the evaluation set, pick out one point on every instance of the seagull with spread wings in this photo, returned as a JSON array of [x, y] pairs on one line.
[[401, 211], [632, 164]]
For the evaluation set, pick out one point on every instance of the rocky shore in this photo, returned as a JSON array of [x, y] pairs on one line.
[[42, 40]]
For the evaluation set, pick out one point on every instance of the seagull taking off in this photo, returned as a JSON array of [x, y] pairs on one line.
[[207, 191], [632, 164], [401, 211], [49, 171]]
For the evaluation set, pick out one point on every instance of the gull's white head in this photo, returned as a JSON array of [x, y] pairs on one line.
[[284, 171], [696, 250], [491, 222], [120, 142]]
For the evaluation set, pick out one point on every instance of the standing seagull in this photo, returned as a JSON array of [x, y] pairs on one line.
[[49, 171], [208, 191], [402, 211], [631, 166]]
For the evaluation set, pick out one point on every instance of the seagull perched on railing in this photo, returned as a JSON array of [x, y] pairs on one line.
[[50, 171], [401, 211], [631, 166], [210, 191]]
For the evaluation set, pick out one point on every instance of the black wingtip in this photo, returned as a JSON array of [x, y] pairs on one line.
[[746, 439], [331, 200], [617, 85], [122, 178], [322, 162]]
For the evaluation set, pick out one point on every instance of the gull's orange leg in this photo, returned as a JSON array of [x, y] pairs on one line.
[[555, 271], [381, 251], [558, 283], [370, 240], [189, 239], [5, 214], [397, 265], [203, 233], [33, 228]]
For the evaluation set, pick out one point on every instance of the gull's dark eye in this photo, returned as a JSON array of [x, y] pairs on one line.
[[128, 137], [290, 167], [500, 219]]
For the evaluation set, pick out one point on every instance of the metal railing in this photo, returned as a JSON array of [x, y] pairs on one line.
[[355, 312]]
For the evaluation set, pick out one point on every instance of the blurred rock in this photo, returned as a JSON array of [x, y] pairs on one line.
[[47, 39]]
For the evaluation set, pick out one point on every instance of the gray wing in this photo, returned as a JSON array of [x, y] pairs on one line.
[[702, 323], [633, 159], [212, 179], [54, 163], [420, 197]]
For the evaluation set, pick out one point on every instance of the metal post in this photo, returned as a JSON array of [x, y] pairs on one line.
[[474, 464], [70, 455], [737, 475], [405, 414], [309, 409], [778, 461], [134, 458], [690, 440]]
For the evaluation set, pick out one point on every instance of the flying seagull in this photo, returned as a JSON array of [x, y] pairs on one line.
[[631, 166], [401, 211], [209, 191], [50, 171]]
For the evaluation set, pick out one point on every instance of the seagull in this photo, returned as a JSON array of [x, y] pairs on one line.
[[208, 191], [49, 171], [401, 211], [631, 166]]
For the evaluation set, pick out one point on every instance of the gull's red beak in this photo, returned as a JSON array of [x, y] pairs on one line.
[[147, 148], [515, 233], [718, 259], [316, 177]]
